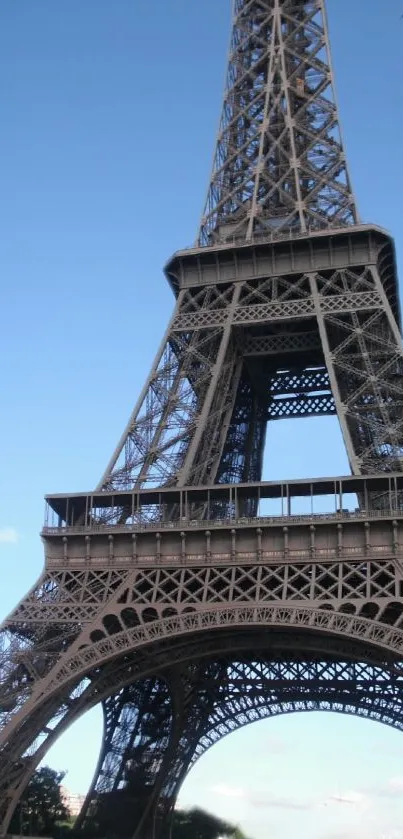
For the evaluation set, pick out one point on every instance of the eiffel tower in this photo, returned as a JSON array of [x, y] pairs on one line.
[[173, 594]]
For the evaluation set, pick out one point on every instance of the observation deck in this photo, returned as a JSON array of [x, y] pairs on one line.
[[353, 518]]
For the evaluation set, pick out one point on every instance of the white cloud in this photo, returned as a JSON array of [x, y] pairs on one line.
[[392, 788], [9, 535], [367, 832], [395, 785], [351, 797], [262, 801], [269, 800], [282, 802], [228, 791]]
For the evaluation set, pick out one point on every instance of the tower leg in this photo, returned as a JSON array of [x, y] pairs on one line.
[[151, 730]]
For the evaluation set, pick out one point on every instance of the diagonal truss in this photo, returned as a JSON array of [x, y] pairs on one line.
[[144, 745], [250, 317], [235, 358], [60, 658], [279, 164], [287, 307]]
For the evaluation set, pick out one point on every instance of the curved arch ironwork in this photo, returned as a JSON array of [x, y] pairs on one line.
[[114, 681]]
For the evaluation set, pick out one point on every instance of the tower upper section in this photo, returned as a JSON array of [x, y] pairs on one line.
[[279, 165]]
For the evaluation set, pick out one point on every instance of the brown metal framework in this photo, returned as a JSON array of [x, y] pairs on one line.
[[279, 163], [185, 594]]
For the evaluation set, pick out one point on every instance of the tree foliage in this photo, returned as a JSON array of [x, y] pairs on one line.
[[41, 807], [197, 824], [42, 812]]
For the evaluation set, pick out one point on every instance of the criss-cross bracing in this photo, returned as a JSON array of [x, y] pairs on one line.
[[279, 164], [185, 594]]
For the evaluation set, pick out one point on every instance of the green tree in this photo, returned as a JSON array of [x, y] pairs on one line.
[[41, 807]]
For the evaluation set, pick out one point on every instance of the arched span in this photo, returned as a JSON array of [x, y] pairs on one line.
[[99, 669], [85, 656], [254, 685], [80, 660], [262, 687]]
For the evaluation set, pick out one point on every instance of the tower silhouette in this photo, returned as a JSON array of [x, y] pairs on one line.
[[185, 593]]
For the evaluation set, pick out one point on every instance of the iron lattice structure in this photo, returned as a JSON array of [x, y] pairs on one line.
[[174, 594], [279, 164]]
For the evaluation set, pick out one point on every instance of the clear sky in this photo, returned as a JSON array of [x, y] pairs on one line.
[[108, 117]]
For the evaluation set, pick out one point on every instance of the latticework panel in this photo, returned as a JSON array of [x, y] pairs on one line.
[[255, 690], [157, 617], [363, 351], [137, 734], [216, 697], [75, 620], [279, 164], [148, 621], [164, 421], [219, 380]]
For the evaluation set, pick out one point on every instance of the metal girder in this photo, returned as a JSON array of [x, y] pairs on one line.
[[286, 308], [257, 689], [138, 730], [297, 381], [279, 164], [281, 343], [217, 697], [302, 406], [331, 577], [279, 171], [201, 401], [358, 602], [300, 393], [363, 356]]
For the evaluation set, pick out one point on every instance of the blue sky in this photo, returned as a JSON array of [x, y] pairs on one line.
[[108, 118]]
